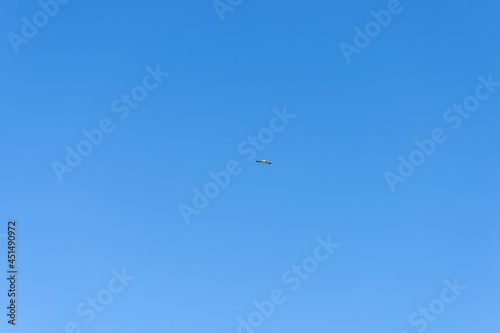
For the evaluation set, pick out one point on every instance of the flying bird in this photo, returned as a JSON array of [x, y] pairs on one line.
[[263, 162]]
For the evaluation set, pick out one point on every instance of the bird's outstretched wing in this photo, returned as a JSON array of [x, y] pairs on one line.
[[258, 161], [267, 162]]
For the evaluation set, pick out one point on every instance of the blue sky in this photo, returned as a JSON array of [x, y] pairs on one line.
[[112, 229]]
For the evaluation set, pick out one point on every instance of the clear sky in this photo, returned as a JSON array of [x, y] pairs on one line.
[[379, 212]]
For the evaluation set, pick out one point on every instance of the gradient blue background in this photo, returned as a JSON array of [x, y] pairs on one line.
[[119, 208]]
